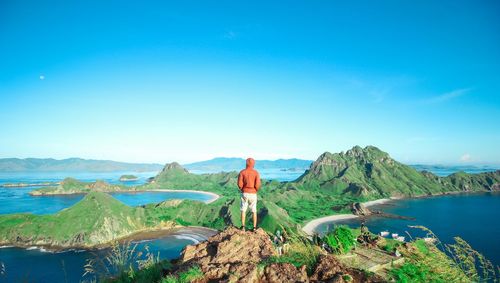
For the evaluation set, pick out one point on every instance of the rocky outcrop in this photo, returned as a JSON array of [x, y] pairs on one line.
[[329, 269], [359, 209], [237, 256]]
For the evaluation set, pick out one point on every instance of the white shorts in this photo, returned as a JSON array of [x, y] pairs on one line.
[[247, 200]]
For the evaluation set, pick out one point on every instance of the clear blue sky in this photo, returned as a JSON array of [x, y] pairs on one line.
[[157, 81]]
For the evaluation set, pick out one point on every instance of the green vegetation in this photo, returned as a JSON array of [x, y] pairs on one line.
[[128, 177], [190, 275], [73, 186], [332, 183], [426, 262], [390, 245], [410, 272], [96, 219], [300, 252], [122, 263], [341, 240]]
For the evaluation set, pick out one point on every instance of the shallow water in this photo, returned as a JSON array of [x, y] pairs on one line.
[[19, 200], [34, 265]]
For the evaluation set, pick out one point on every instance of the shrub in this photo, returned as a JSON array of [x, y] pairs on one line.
[[121, 262], [341, 240], [410, 272], [457, 262], [300, 252], [193, 273]]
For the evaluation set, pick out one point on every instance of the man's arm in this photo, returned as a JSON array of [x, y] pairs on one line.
[[240, 182], [257, 181]]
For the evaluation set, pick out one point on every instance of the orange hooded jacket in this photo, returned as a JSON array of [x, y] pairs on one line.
[[249, 178]]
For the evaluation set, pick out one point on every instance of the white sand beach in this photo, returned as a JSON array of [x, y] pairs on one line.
[[213, 195], [311, 226]]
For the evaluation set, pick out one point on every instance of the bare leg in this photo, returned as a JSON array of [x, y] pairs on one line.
[[243, 215], [255, 220]]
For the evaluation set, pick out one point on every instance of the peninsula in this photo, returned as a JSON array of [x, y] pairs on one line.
[[331, 184]]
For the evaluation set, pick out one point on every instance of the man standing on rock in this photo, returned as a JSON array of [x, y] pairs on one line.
[[249, 184]]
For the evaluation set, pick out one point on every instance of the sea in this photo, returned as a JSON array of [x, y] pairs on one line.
[[473, 217]]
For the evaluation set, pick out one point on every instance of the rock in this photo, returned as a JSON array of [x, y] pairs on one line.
[[247, 257], [326, 268], [232, 254], [284, 272], [359, 209]]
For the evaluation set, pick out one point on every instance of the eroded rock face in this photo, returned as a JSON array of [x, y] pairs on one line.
[[359, 209], [230, 255]]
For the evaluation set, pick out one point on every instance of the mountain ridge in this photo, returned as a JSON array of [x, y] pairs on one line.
[[227, 164], [73, 164]]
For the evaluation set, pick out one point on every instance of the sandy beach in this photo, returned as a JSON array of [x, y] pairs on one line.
[[213, 195], [311, 226]]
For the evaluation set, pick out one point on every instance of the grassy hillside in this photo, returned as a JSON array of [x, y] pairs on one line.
[[371, 173], [331, 184], [73, 186], [96, 219]]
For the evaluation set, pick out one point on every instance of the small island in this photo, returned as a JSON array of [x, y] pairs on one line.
[[128, 178]]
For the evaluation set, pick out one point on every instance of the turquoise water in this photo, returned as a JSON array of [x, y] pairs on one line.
[[34, 265], [473, 217], [15, 200]]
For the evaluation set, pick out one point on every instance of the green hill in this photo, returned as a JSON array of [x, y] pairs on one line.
[[371, 173], [74, 186], [330, 185], [96, 219]]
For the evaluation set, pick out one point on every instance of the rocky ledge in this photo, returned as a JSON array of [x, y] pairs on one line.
[[237, 256]]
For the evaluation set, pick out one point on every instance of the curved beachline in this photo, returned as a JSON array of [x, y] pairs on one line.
[[310, 227], [213, 195]]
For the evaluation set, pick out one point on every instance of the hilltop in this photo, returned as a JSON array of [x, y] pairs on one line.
[[72, 165], [370, 173], [237, 256]]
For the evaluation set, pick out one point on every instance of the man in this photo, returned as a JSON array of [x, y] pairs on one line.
[[249, 184]]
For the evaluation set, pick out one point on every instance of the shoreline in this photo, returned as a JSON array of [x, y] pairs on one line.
[[310, 227], [137, 237], [213, 195]]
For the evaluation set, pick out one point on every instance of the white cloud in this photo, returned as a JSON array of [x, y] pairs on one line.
[[465, 158], [42, 77], [447, 96]]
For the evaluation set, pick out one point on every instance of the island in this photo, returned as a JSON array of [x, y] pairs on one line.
[[329, 187], [128, 178]]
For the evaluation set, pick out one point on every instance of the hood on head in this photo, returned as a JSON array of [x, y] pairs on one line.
[[250, 162]]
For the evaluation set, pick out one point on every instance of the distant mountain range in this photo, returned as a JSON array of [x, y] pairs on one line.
[[235, 164], [219, 164], [73, 165]]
